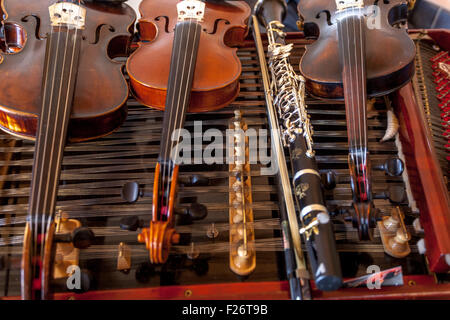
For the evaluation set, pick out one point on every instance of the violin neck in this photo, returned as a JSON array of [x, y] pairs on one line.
[[352, 56], [60, 70], [184, 58]]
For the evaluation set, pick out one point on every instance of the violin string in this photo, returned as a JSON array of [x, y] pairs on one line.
[[67, 108], [164, 167], [362, 99], [186, 97], [178, 113], [47, 205], [47, 210], [364, 88], [39, 155], [359, 95], [349, 88], [173, 112]]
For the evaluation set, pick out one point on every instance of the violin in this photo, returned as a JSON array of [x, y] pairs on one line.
[[361, 50], [186, 62], [59, 83]]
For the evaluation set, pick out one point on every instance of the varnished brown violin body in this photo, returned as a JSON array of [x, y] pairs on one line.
[[188, 65], [216, 80], [101, 90], [388, 54], [57, 72], [361, 50]]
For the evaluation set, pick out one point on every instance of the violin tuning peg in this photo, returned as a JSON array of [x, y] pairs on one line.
[[182, 217], [397, 194], [393, 167], [131, 192], [82, 237], [197, 211], [329, 180], [194, 181], [131, 223]]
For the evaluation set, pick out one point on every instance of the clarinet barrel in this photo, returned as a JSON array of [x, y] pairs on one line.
[[289, 100]]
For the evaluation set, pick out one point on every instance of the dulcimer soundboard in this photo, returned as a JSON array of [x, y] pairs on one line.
[[116, 266]]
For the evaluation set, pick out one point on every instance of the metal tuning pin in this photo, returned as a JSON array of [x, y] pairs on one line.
[[124, 257], [242, 236], [212, 231], [193, 252], [394, 234]]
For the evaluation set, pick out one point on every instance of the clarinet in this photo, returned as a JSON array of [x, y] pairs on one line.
[[288, 93]]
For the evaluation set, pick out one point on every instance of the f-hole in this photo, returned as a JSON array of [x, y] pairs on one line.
[[99, 30], [166, 25], [37, 31], [216, 25], [328, 16]]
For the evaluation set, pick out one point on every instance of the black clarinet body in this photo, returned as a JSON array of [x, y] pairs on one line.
[[288, 91], [320, 241]]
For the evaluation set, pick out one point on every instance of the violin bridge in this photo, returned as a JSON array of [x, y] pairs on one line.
[[66, 254], [66, 14], [346, 4], [242, 234], [191, 9]]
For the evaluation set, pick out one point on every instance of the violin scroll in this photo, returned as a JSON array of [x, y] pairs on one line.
[[158, 239]]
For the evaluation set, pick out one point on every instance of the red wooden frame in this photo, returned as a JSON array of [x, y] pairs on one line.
[[427, 184], [415, 287]]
